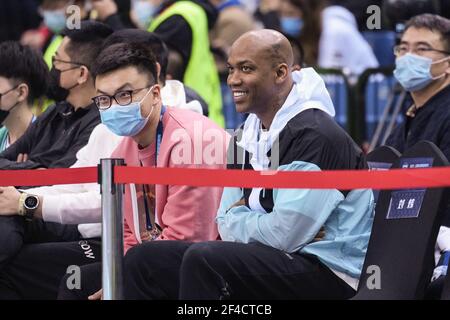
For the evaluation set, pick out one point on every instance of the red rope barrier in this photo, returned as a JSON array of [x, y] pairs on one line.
[[47, 177], [343, 179]]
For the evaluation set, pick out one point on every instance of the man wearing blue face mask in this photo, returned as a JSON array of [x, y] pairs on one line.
[[423, 69]]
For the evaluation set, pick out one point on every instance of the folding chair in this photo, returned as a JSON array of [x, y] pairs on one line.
[[399, 260]]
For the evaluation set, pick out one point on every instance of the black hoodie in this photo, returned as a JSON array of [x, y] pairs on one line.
[[176, 32]]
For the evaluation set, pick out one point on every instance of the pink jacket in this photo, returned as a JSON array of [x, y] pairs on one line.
[[183, 212]]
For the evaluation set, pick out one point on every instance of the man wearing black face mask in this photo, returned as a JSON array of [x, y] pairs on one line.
[[23, 77], [55, 137]]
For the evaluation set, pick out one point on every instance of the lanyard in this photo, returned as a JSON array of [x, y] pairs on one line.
[[159, 134], [150, 219]]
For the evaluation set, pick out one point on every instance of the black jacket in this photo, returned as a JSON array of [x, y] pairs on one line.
[[312, 136], [431, 122], [53, 140]]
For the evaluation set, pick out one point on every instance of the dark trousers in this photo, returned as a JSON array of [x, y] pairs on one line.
[[34, 256], [91, 282], [36, 272], [15, 232], [226, 270]]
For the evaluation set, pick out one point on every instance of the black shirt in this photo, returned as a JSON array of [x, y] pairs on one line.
[[53, 140], [311, 136], [431, 122]]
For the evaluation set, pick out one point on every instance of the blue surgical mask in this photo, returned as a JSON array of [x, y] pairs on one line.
[[55, 20], [413, 72], [125, 121], [144, 12], [291, 26]]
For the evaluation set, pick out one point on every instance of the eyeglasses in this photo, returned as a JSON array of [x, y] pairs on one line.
[[123, 98], [78, 64], [420, 50], [8, 91]]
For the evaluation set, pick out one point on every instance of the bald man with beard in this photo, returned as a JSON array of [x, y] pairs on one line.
[[270, 247]]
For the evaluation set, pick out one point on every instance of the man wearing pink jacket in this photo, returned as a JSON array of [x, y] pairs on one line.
[[130, 105]]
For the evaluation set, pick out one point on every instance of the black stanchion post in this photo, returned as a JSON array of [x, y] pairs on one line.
[[112, 230]]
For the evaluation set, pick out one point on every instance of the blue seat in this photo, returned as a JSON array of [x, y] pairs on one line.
[[376, 97], [382, 43], [337, 86]]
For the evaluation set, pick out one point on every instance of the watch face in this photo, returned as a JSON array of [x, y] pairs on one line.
[[31, 202]]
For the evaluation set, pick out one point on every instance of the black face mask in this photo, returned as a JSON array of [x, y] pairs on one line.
[[55, 91], [3, 115]]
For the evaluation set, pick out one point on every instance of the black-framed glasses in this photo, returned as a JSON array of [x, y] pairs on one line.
[[8, 91], [421, 50], [123, 98], [78, 64]]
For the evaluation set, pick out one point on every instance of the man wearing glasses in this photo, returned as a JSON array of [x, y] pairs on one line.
[[155, 135], [423, 69]]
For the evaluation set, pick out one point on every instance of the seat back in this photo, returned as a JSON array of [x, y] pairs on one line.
[[382, 43], [399, 260], [338, 88], [382, 158]]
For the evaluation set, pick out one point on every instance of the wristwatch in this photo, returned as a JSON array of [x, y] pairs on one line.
[[28, 204]]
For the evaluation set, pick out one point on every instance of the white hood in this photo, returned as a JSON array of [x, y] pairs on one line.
[[308, 92], [340, 13], [173, 95]]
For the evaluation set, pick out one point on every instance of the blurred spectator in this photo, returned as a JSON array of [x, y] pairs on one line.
[[341, 44], [23, 78], [54, 14], [358, 9], [328, 35], [17, 17], [268, 14], [115, 13], [184, 27], [233, 21]]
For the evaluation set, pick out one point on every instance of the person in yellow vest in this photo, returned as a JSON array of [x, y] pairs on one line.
[[183, 26]]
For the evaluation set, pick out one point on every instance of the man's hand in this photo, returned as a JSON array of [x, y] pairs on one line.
[[9, 201], [22, 157], [97, 296], [239, 203], [320, 235], [104, 8]]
